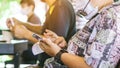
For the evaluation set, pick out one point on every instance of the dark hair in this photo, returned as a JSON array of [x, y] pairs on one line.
[[28, 2]]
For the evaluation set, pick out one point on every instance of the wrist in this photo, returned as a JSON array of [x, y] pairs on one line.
[[28, 34], [59, 54]]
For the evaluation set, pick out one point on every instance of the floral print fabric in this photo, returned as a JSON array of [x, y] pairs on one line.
[[99, 41]]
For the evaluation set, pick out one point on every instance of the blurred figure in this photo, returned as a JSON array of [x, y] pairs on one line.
[[27, 8], [60, 18]]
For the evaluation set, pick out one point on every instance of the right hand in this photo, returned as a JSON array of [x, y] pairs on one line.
[[49, 47], [17, 29]]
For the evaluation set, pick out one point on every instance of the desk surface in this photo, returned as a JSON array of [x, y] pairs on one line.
[[14, 42], [13, 47]]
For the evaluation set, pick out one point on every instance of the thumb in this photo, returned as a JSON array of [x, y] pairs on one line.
[[48, 41]]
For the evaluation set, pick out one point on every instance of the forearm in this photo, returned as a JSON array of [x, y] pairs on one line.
[[73, 61], [33, 27], [29, 37]]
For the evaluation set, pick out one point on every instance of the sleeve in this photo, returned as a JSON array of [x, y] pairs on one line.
[[62, 21], [37, 20], [59, 21], [34, 19]]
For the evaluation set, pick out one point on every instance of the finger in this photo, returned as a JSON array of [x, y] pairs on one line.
[[59, 40], [11, 28], [16, 21], [48, 41], [48, 31], [48, 34], [42, 46], [51, 33], [8, 23], [62, 44]]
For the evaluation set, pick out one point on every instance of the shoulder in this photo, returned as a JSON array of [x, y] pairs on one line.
[[112, 9], [63, 3]]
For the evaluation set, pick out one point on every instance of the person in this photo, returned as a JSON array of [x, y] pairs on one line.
[[27, 8], [60, 18], [60, 21], [85, 10], [95, 46]]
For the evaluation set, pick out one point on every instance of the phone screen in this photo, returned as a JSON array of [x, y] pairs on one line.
[[37, 37]]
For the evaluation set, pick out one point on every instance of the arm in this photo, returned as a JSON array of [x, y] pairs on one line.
[[20, 31], [29, 36], [72, 61], [32, 27]]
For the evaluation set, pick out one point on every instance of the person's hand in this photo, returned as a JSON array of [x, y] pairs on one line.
[[8, 23], [60, 41], [15, 21], [11, 22], [19, 31], [50, 34], [16, 27], [49, 47]]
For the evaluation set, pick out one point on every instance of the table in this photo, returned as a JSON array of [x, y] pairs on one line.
[[16, 47]]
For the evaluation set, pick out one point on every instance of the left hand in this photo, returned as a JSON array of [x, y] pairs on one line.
[[20, 31], [50, 34], [60, 41], [49, 47]]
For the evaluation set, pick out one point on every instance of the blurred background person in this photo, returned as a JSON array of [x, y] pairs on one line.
[[60, 18], [27, 8]]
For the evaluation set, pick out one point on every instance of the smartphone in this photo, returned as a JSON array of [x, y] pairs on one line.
[[37, 37]]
